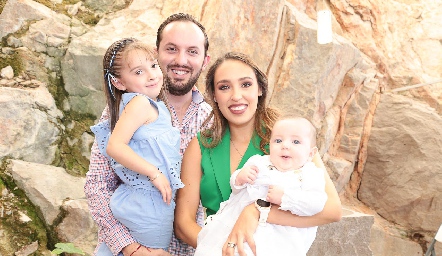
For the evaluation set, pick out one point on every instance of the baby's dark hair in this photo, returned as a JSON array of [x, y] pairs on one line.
[[113, 62], [182, 17]]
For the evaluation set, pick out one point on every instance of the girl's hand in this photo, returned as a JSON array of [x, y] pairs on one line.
[[163, 185], [275, 194], [247, 174], [242, 232]]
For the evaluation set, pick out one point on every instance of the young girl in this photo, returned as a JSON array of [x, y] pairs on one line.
[[141, 143], [287, 179]]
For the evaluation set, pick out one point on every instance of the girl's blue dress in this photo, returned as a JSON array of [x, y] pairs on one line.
[[137, 203]]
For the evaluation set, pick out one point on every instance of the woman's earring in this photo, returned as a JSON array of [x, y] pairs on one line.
[[214, 100]]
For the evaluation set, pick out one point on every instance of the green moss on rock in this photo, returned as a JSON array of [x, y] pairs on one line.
[[87, 16], [12, 60], [71, 156], [20, 233], [2, 5]]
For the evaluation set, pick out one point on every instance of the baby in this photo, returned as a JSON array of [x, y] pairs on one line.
[[286, 179]]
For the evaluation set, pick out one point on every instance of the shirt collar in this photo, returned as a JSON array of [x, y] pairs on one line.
[[197, 97]]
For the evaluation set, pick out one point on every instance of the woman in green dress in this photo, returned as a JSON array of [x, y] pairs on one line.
[[239, 127]]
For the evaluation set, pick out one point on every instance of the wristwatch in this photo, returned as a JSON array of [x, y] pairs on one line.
[[264, 209]]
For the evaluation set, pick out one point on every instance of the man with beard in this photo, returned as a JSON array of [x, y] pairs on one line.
[[182, 46]]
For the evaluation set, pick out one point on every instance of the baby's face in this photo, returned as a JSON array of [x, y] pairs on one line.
[[290, 144]]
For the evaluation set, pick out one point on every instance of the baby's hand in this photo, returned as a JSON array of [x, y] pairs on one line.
[[275, 194], [247, 174], [162, 184]]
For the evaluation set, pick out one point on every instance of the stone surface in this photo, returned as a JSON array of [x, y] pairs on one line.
[[378, 45], [77, 227], [342, 238], [400, 36], [46, 186], [402, 176], [16, 13], [29, 124], [385, 241], [39, 37], [85, 55], [7, 72], [27, 250]]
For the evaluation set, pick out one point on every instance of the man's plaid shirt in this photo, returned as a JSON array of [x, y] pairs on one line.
[[101, 182]]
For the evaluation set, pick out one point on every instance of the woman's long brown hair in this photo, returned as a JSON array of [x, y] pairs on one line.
[[265, 116]]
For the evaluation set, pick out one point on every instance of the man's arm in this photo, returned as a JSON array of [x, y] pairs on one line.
[[101, 182]]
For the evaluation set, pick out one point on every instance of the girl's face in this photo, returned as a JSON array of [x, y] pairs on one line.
[[236, 92], [140, 74]]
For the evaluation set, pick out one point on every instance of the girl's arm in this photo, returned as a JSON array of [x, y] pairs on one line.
[[137, 112], [247, 222], [188, 198]]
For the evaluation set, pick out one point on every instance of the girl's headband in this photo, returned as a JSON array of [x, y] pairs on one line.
[[108, 73]]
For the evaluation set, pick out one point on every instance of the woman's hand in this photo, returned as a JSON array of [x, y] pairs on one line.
[[243, 231]]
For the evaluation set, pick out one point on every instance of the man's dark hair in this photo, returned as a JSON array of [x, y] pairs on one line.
[[182, 17]]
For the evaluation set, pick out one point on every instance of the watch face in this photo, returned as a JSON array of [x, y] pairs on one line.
[[262, 203]]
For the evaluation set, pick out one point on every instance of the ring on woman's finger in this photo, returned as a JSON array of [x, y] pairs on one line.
[[231, 245]]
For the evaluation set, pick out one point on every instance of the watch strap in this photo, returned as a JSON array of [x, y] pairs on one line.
[[263, 213]]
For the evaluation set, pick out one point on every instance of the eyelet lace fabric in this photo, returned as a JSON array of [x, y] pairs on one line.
[[158, 143]]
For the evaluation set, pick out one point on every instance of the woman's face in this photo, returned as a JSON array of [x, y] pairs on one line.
[[236, 92]]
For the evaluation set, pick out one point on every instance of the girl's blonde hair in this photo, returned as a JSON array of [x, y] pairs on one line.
[[113, 62]]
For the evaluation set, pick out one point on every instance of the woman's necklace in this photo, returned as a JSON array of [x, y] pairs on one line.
[[236, 148]]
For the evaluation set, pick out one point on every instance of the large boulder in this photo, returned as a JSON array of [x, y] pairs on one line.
[[402, 176], [60, 199], [29, 122], [349, 237], [48, 187], [82, 67]]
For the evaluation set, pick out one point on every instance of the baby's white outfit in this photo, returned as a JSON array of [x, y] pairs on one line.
[[304, 195]]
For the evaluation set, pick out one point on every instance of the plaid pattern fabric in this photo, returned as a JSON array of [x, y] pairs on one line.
[[101, 182]]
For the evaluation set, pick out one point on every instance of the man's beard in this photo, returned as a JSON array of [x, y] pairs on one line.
[[179, 88]]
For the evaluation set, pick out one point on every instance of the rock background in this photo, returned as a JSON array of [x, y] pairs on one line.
[[381, 144]]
